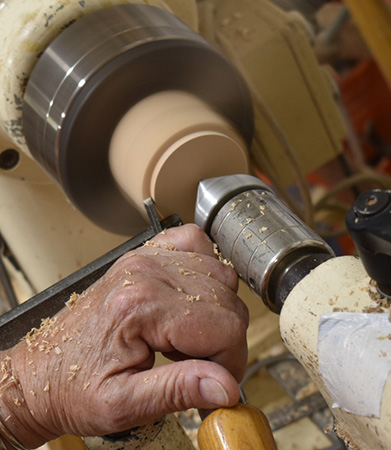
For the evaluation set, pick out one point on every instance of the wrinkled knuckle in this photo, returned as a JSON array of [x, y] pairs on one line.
[[239, 324], [192, 228], [176, 398], [231, 276], [142, 291], [146, 288], [120, 301], [139, 262], [196, 234], [245, 313], [111, 411]]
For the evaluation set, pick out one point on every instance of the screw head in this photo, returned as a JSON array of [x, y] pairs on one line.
[[370, 203]]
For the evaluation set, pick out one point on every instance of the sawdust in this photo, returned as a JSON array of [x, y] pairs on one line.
[[221, 258], [72, 301]]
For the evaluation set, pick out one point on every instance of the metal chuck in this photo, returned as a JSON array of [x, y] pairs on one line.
[[270, 248]]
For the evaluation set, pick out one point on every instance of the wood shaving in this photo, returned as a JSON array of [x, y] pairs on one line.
[[47, 387], [7, 373], [234, 205], [73, 370], [382, 338], [72, 301], [164, 245], [151, 244], [263, 229], [192, 298], [45, 330], [66, 337], [185, 272], [187, 312], [128, 283], [216, 251], [46, 347], [86, 385]]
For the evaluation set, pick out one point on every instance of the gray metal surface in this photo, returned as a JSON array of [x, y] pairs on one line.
[[213, 193], [257, 233], [90, 76]]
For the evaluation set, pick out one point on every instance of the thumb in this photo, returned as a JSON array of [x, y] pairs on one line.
[[175, 387]]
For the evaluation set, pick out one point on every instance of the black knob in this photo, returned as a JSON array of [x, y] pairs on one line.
[[369, 224]]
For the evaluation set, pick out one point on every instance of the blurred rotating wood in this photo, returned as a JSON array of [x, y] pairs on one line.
[[101, 66]]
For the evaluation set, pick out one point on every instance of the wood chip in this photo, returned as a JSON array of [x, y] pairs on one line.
[[72, 300]]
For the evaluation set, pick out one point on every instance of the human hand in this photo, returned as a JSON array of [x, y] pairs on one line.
[[89, 370]]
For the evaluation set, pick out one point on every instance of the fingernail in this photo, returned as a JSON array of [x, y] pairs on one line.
[[213, 392]]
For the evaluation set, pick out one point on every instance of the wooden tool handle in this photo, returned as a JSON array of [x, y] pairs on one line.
[[242, 427]]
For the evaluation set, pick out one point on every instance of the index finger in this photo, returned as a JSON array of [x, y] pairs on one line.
[[187, 238], [193, 240]]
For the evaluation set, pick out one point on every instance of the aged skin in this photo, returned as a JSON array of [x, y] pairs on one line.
[[89, 370]]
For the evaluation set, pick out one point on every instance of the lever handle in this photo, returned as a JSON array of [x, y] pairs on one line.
[[241, 427]]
